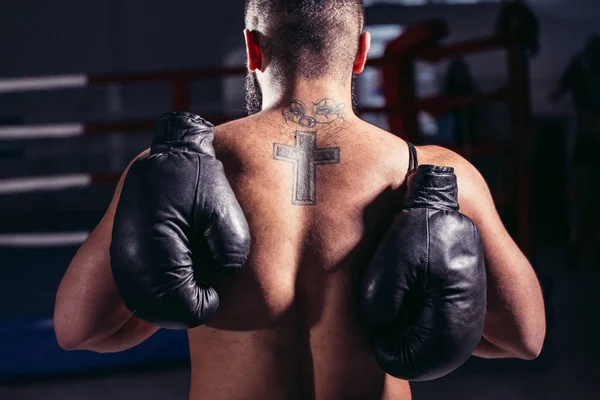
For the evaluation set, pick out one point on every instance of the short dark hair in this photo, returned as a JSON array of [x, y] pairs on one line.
[[307, 38]]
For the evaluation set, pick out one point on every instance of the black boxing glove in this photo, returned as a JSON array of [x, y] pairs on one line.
[[177, 218], [424, 293]]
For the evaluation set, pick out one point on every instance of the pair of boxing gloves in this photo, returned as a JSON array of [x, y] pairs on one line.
[[177, 218]]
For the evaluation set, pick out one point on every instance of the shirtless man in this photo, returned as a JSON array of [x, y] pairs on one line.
[[287, 325]]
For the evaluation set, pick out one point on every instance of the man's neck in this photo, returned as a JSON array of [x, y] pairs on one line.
[[311, 94]]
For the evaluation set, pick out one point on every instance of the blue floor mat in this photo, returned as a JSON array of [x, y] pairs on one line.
[[30, 279], [30, 348]]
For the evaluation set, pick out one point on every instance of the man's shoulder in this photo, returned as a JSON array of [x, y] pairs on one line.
[[441, 156], [466, 172], [236, 131], [235, 125], [237, 139], [472, 187]]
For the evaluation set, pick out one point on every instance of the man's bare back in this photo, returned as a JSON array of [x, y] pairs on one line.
[[288, 326]]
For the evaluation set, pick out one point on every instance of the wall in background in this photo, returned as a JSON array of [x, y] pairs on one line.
[[67, 36]]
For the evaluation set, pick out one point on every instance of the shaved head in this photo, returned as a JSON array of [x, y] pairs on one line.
[[307, 38]]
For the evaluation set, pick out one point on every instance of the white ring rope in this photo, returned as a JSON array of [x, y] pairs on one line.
[[43, 239], [28, 84], [24, 185], [41, 131]]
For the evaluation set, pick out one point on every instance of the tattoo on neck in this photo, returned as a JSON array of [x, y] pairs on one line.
[[306, 157], [324, 111]]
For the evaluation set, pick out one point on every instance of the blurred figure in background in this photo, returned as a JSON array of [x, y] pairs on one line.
[[581, 80], [459, 125], [517, 20]]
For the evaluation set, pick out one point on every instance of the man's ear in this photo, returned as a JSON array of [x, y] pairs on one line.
[[253, 50], [364, 44]]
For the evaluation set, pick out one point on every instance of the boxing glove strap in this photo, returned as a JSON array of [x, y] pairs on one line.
[[413, 160], [430, 186], [183, 131]]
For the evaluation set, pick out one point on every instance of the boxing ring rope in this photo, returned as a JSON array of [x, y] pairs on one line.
[[53, 183], [43, 83], [42, 239]]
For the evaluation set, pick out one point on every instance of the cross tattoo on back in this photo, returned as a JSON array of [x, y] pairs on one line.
[[306, 157]]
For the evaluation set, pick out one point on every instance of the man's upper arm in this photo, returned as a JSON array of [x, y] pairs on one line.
[[477, 203], [89, 313], [515, 314]]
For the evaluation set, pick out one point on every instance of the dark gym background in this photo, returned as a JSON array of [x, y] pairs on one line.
[[41, 38]]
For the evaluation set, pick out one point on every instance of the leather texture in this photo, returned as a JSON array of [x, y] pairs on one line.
[[424, 292], [177, 220]]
